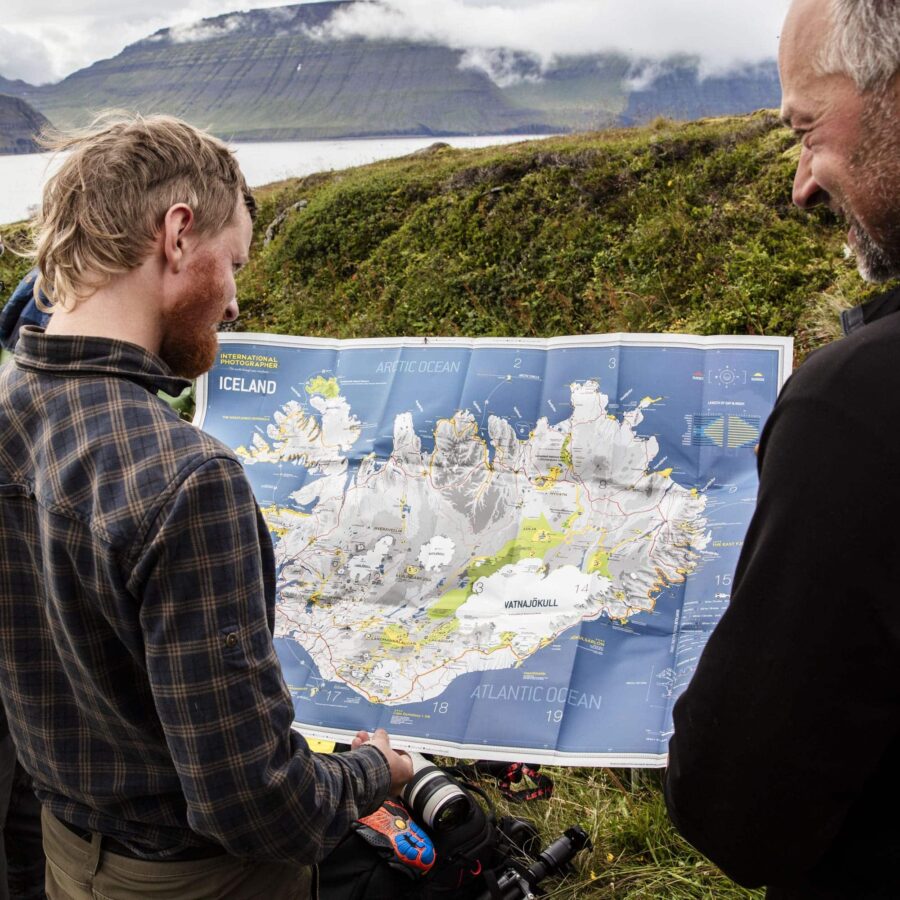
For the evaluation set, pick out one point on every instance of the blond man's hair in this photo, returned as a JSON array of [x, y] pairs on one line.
[[104, 207]]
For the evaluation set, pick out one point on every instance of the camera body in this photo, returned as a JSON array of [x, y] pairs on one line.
[[517, 882], [477, 855]]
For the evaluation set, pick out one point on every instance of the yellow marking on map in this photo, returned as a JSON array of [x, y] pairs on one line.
[[665, 473], [412, 571], [532, 531], [565, 453], [326, 387], [598, 561], [443, 631], [545, 482], [281, 519], [576, 515], [449, 603], [395, 637], [505, 642]]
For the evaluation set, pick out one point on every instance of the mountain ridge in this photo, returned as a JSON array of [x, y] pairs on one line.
[[264, 75], [19, 125]]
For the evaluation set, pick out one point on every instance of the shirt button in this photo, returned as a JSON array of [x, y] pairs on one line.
[[231, 640]]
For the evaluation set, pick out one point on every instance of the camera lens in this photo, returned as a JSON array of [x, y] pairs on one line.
[[434, 798], [450, 809]]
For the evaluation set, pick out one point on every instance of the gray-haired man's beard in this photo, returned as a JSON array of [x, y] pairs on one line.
[[877, 171], [874, 263]]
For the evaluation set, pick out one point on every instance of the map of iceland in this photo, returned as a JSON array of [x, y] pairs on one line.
[[472, 556], [502, 548]]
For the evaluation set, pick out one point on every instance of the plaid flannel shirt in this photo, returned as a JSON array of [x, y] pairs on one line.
[[137, 593]]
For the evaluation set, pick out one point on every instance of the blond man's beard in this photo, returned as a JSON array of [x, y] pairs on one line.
[[190, 341]]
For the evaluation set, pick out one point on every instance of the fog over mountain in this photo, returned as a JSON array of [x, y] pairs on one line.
[[44, 40], [354, 69], [724, 37]]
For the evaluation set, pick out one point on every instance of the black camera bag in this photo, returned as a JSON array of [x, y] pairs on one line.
[[357, 869], [464, 854]]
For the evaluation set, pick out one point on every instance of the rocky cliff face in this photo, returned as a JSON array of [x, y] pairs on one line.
[[19, 124], [263, 75]]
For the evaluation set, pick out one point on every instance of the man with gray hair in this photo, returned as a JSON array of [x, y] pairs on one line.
[[783, 763]]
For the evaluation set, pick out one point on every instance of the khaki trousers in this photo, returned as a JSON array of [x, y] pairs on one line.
[[79, 870]]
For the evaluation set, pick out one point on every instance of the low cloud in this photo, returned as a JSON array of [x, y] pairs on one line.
[[44, 40], [204, 31], [644, 74], [504, 67], [21, 56], [496, 36]]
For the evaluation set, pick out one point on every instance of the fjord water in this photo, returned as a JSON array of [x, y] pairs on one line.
[[22, 177]]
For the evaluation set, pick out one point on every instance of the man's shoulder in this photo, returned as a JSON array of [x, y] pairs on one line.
[[148, 462], [167, 441], [863, 366], [106, 451]]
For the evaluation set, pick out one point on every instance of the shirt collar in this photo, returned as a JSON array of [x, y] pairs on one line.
[[65, 354]]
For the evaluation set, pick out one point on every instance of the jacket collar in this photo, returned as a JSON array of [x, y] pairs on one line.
[[876, 308], [63, 354]]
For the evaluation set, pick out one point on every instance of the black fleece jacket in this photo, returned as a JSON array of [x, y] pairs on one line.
[[784, 767]]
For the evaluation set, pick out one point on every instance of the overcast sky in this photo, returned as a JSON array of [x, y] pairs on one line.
[[44, 40]]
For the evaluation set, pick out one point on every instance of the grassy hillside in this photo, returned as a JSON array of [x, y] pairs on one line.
[[12, 267], [665, 228]]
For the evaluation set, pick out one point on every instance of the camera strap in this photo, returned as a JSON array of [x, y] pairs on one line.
[[535, 784]]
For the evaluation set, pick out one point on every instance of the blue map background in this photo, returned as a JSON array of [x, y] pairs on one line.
[[594, 702]]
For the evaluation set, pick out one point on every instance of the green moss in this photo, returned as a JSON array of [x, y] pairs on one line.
[[16, 240], [671, 227]]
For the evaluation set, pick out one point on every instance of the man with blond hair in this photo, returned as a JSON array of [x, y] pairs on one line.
[[137, 668], [783, 764]]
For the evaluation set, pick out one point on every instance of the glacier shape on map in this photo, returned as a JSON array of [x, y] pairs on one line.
[[426, 565]]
